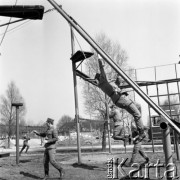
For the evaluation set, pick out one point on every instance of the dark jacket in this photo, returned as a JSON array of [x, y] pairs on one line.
[[109, 88], [26, 139], [52, 136]]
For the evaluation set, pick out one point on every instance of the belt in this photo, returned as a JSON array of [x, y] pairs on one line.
[[117, 100], [112, 94], [120, 94], [123, 93]]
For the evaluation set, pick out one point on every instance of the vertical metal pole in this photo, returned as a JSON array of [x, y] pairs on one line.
[[169, 106], [17, 134], [177, 145], [152, 135], [176, 135], [108, 121], [136, 80], [167, 148], [177, 82], [157, 87], [124, 136], [76, 99], [17, 130], [150, 120]]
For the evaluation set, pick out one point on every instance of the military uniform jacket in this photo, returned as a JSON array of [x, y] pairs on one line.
[[25, 142], [109, 88], [116, 116], [51, 136]]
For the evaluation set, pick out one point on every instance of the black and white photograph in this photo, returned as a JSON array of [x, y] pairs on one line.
[[89, 89]]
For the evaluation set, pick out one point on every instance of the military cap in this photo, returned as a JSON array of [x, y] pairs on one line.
[[49, 120]]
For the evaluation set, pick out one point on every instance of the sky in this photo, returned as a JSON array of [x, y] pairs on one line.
[[36, 55]]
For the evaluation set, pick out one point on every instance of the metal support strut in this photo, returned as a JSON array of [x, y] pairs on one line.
[[76, 101], [167, 149], [17, 105]]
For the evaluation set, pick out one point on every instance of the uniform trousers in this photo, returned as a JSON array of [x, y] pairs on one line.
[[125, 103], [49, 156]]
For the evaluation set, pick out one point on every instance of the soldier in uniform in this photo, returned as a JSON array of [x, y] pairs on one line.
[[118, 133], [119, 97], [51, 136], [137, 146], [25, 144]]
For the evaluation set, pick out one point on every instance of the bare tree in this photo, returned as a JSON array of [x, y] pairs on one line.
[[8, 114], [64, 119], [94, 98], [65, 124]]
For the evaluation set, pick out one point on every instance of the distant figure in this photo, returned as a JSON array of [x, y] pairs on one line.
[[137, 146], [51, 136], [119, 97], [25, 144], [118, 133]]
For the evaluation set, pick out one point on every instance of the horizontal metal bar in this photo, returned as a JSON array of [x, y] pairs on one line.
[[171, 94]]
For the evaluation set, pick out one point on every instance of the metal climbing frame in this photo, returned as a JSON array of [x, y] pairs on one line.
[[162, 84]]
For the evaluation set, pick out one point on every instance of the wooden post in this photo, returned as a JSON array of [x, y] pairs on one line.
[[76, 101], [17, 105]]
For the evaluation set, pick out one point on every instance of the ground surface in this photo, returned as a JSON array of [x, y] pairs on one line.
[[93, 167], [93, 162]]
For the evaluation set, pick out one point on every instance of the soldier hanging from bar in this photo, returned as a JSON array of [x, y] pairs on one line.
[[119, 97]]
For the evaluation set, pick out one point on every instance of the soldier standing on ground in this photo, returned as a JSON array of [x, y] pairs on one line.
[[137, 147], [51, 136]]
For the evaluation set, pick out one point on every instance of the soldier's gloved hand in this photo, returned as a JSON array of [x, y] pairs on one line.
[[99, 57], [34, 131], [101, 62]]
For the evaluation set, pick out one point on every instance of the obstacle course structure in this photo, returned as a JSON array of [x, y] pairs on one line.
[[110, 61], [164, 89]]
